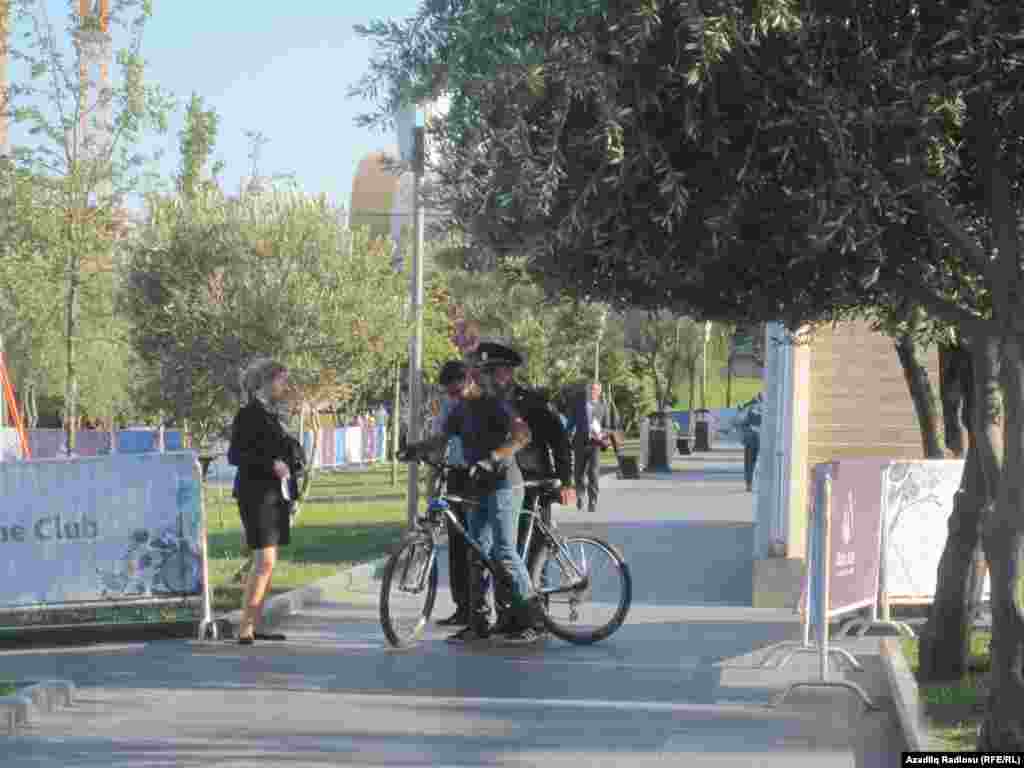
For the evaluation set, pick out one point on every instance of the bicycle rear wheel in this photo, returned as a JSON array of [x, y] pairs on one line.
[[590, 611], [408, 590]]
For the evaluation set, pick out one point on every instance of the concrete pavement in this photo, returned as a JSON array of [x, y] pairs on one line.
[[677, 685]]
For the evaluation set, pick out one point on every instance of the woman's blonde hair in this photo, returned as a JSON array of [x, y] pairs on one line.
[[258, 375]]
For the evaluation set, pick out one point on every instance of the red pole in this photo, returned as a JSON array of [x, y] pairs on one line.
[[13, 405]]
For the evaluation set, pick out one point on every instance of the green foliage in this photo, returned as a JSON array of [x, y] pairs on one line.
[[75, 162], [217, 281]]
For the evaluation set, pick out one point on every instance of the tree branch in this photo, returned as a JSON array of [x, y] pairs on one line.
[[941, 214], [944, 309]]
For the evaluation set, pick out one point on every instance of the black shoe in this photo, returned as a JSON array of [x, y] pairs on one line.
[[246, 640], [458, 619], [269, 636], [469, 635], [505, 624], [527, 636], [592, 509]]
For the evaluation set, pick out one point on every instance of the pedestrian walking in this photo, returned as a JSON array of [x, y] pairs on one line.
[[268, 461], [750, 423], [589, 423]]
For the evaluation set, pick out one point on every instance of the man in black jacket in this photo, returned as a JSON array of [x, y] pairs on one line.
[[547, 456]]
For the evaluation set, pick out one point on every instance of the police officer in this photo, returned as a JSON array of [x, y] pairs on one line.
[[547, 456], [492, 433]]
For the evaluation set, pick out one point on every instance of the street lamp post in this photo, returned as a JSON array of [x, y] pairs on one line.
[[416, 297]]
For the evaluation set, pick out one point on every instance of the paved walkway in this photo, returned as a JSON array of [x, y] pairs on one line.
[[677, 685]]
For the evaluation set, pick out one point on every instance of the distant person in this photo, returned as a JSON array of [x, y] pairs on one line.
[[589, 420], [268, 463], [750, 424]]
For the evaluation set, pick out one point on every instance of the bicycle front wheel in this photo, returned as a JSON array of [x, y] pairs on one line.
[[408, 590], [587, 588]]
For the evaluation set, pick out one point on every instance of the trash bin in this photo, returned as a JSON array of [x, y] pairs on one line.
[[658, 442], [701, 430]]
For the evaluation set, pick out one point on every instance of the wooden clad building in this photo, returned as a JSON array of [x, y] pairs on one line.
[[859, 401], [842, 395]]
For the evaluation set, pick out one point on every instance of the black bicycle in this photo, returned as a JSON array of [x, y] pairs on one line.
[[584, 582]]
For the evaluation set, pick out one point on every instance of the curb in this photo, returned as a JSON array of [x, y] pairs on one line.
[[279, 607], [905, 695], [25, 706]]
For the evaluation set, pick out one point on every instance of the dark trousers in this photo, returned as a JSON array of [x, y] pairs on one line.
[[588, 465], [531, 502], [751, 447], [458, 561]]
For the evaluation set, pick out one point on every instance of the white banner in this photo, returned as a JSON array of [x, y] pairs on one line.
[[108, 528], [917, 499], [10, 444]]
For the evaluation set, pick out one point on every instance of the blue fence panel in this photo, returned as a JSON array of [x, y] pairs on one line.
[[136, 441], [174, 440]]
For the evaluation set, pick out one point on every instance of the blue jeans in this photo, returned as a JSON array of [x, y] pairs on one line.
[[494, 525]]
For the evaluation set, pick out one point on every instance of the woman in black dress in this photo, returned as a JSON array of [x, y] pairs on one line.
[[260, 448]]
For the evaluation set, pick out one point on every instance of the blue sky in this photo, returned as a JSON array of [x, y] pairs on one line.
[[279, 68]]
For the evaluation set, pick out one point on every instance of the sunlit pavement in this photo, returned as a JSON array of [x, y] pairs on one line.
[[677, 685]]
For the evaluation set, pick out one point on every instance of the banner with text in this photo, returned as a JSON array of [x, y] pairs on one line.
[[109, 528], [856, 533]]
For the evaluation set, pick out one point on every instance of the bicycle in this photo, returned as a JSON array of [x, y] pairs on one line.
[[561, 571]]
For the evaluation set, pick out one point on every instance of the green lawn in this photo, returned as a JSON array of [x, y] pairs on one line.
[[7, 689], [374, 481], [326, 538], [954, 710], [630, 448]]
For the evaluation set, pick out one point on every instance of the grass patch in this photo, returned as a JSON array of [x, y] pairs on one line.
[[629, 448], [374, 481], [7, 688], [326, 538], [954, 710]]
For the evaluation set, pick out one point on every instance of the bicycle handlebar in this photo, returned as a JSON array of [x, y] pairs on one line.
[[551, 484]]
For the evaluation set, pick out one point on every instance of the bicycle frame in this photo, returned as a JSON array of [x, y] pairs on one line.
[[580, 579]]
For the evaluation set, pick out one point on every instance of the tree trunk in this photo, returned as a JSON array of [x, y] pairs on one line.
[[31, 407], [1003, 533], [394, 424], [922, 395], [956, 391], [71, 384], [945, 640], [728, 383], [693, 387], [954, 379]]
